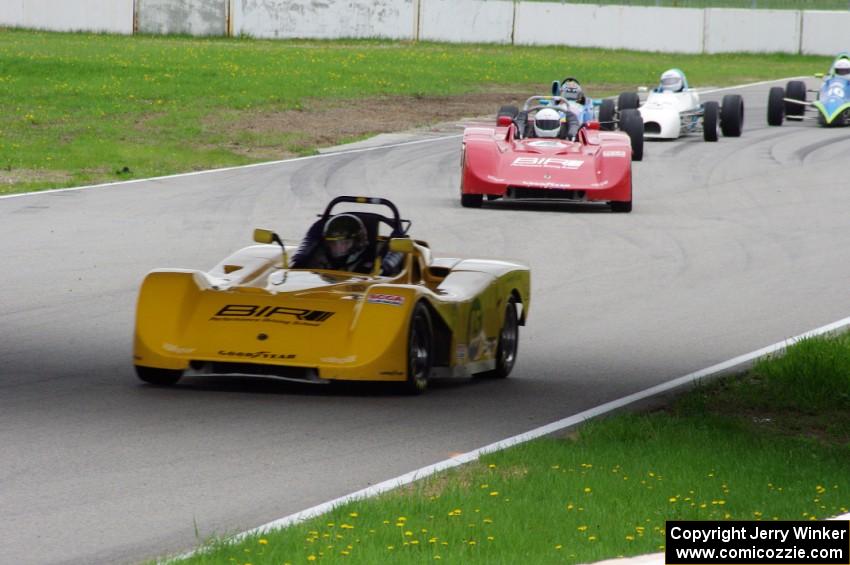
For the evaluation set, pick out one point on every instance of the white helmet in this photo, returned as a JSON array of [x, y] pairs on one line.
[[842, 67], [672, 81], [547, 123]]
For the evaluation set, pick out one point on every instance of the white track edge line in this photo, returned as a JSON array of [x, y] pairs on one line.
[[760, 83], [321, 155], [238, 167], [547, 429]]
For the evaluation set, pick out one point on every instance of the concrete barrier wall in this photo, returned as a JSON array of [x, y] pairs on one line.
[[587, 25], [825, 33], [114, 16], [683, 30], [755, 31], [193, 17], [485, 21], [328, 19]]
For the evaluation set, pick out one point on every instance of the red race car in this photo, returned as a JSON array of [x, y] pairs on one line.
[[542, 154]]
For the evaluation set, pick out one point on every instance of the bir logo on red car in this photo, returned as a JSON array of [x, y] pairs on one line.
[[547, 162], [391, 299]]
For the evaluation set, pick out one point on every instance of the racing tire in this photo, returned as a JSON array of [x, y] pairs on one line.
[[420, 349], [776, 106], [606, 115], [621, 207], [632, 124], [511, 111], [732, 115], [471, 200], [508, 344], [709, 121], [158, 377], [628, 101], [795, 90]]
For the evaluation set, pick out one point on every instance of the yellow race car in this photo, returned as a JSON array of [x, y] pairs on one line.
[[400, 315]]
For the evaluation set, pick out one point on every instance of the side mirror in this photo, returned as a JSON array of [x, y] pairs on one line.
[[264, 236], [504, 121], [556, 88], [401, 245], [818, 75], [643, 89], [268, 236]]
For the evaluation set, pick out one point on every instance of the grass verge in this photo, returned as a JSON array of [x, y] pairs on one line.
[[771, 444], [88, 108]]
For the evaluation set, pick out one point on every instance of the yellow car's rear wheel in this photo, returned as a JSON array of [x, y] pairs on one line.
[[420, 348], [508, 343], [159, 377]]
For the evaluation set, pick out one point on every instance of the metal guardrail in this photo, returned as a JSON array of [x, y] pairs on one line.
[[841, 5]]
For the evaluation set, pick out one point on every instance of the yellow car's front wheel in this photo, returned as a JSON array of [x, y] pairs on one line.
[[159, 377], [420, 347]]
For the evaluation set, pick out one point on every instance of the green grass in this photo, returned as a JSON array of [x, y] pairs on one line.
[[758, 4], [85, 108], [752, 447]]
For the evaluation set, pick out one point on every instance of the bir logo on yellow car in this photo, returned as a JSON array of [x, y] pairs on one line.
[[278, 314]]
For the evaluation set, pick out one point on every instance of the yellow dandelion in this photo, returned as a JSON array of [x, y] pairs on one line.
[[311, 558], [582, 528], [672, 499], [408, 533], [490, 538], [559, 546], [262, 541], [494, 493], [390, 547], [591, 538], [492, 465], [630, 538], [587, 489], [353, 514]]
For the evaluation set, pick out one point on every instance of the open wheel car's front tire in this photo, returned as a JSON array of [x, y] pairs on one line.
[[508, 344], [420, 348], [776, 106], [158, 377]]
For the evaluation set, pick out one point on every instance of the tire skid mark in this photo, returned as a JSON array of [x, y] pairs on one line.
[[807, 150]]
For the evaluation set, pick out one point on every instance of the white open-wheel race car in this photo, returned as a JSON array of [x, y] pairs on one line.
[[673, 109]]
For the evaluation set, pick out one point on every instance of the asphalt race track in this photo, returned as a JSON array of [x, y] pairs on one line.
[[731, 246]]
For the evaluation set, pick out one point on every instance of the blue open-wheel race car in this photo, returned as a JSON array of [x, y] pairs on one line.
[[830, 108]]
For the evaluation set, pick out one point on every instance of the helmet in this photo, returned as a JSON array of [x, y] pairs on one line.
[[345, 238], [547, 123], [842, 67], [571, 90], [672, 81]]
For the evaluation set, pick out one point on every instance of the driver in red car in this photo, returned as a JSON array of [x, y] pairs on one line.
[[554, 124]]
